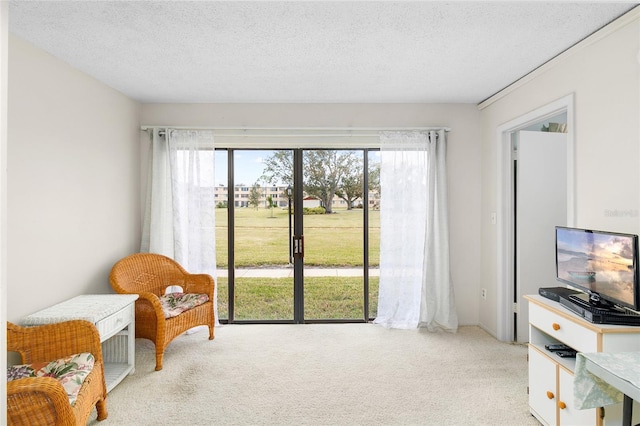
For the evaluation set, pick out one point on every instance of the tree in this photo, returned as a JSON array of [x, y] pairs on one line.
[[270, 204], [323, 172], [352, 186], [278, 168], [254, 195]]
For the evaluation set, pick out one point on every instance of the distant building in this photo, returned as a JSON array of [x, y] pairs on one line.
[[311, 202], [279, 197], [241, 195]]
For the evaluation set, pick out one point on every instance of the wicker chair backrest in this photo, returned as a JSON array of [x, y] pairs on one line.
[[146, 272]]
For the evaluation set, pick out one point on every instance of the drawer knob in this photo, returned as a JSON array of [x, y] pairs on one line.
[[550, 395], [562, 405], [556, 326]]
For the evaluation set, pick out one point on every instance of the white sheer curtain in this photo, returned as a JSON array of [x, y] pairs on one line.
[[180, 213], [415, 281], [157, 230]]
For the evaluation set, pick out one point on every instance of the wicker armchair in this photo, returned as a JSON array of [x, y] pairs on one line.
[[42, 400], [149, 275]]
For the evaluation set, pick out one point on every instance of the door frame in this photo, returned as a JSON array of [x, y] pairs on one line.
[[505, 215], [298, 232]]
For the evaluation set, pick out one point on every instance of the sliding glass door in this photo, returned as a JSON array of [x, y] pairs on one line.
[[333, 184], [293, 234]]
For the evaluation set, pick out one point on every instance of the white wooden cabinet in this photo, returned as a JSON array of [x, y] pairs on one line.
[[543, 391], [551, 377], [114, 317]]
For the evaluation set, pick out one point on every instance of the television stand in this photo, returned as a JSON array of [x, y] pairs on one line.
[[598, 315], [551, 379]]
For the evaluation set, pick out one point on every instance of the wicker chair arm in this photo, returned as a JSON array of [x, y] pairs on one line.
[[151, 299], [54, 341], [28, 397], [199, 283], [152, 303]]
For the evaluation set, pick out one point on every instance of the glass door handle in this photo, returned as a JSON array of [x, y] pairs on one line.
[[298, 246]]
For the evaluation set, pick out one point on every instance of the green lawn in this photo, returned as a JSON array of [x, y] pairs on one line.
[[333, 241], [272, 298]]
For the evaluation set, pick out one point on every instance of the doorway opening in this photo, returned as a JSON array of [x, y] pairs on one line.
[[516, 275]]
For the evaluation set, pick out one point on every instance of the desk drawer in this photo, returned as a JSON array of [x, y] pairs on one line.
[[563, 329], [112, 324]]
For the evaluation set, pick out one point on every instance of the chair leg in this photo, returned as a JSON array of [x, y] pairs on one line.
[[101, 408], [159, 356], [210, 332]]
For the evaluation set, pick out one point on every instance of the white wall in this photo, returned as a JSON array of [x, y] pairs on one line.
[[73, 181], [603, 73], [463, 155], [4, 60]]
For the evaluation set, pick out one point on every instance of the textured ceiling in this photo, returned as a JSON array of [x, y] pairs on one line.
[[306, 51]]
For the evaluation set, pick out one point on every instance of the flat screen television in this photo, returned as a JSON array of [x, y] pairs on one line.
[[602, 264]]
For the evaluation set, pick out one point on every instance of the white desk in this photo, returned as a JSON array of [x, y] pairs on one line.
[[114, 317], [608, 378]]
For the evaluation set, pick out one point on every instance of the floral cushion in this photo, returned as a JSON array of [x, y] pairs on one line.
[[70, 372], [173, 304]]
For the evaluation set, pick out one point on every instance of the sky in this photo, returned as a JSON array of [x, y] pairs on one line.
[[247, 166]]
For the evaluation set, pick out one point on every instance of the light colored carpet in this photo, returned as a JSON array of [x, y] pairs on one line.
[[326, 374]]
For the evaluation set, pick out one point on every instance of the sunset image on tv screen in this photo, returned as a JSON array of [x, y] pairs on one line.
[[602, 263]]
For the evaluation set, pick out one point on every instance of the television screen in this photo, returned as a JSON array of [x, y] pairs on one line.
[[603, 264]]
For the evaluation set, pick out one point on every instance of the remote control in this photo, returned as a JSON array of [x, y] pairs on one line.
[[558, 347]]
